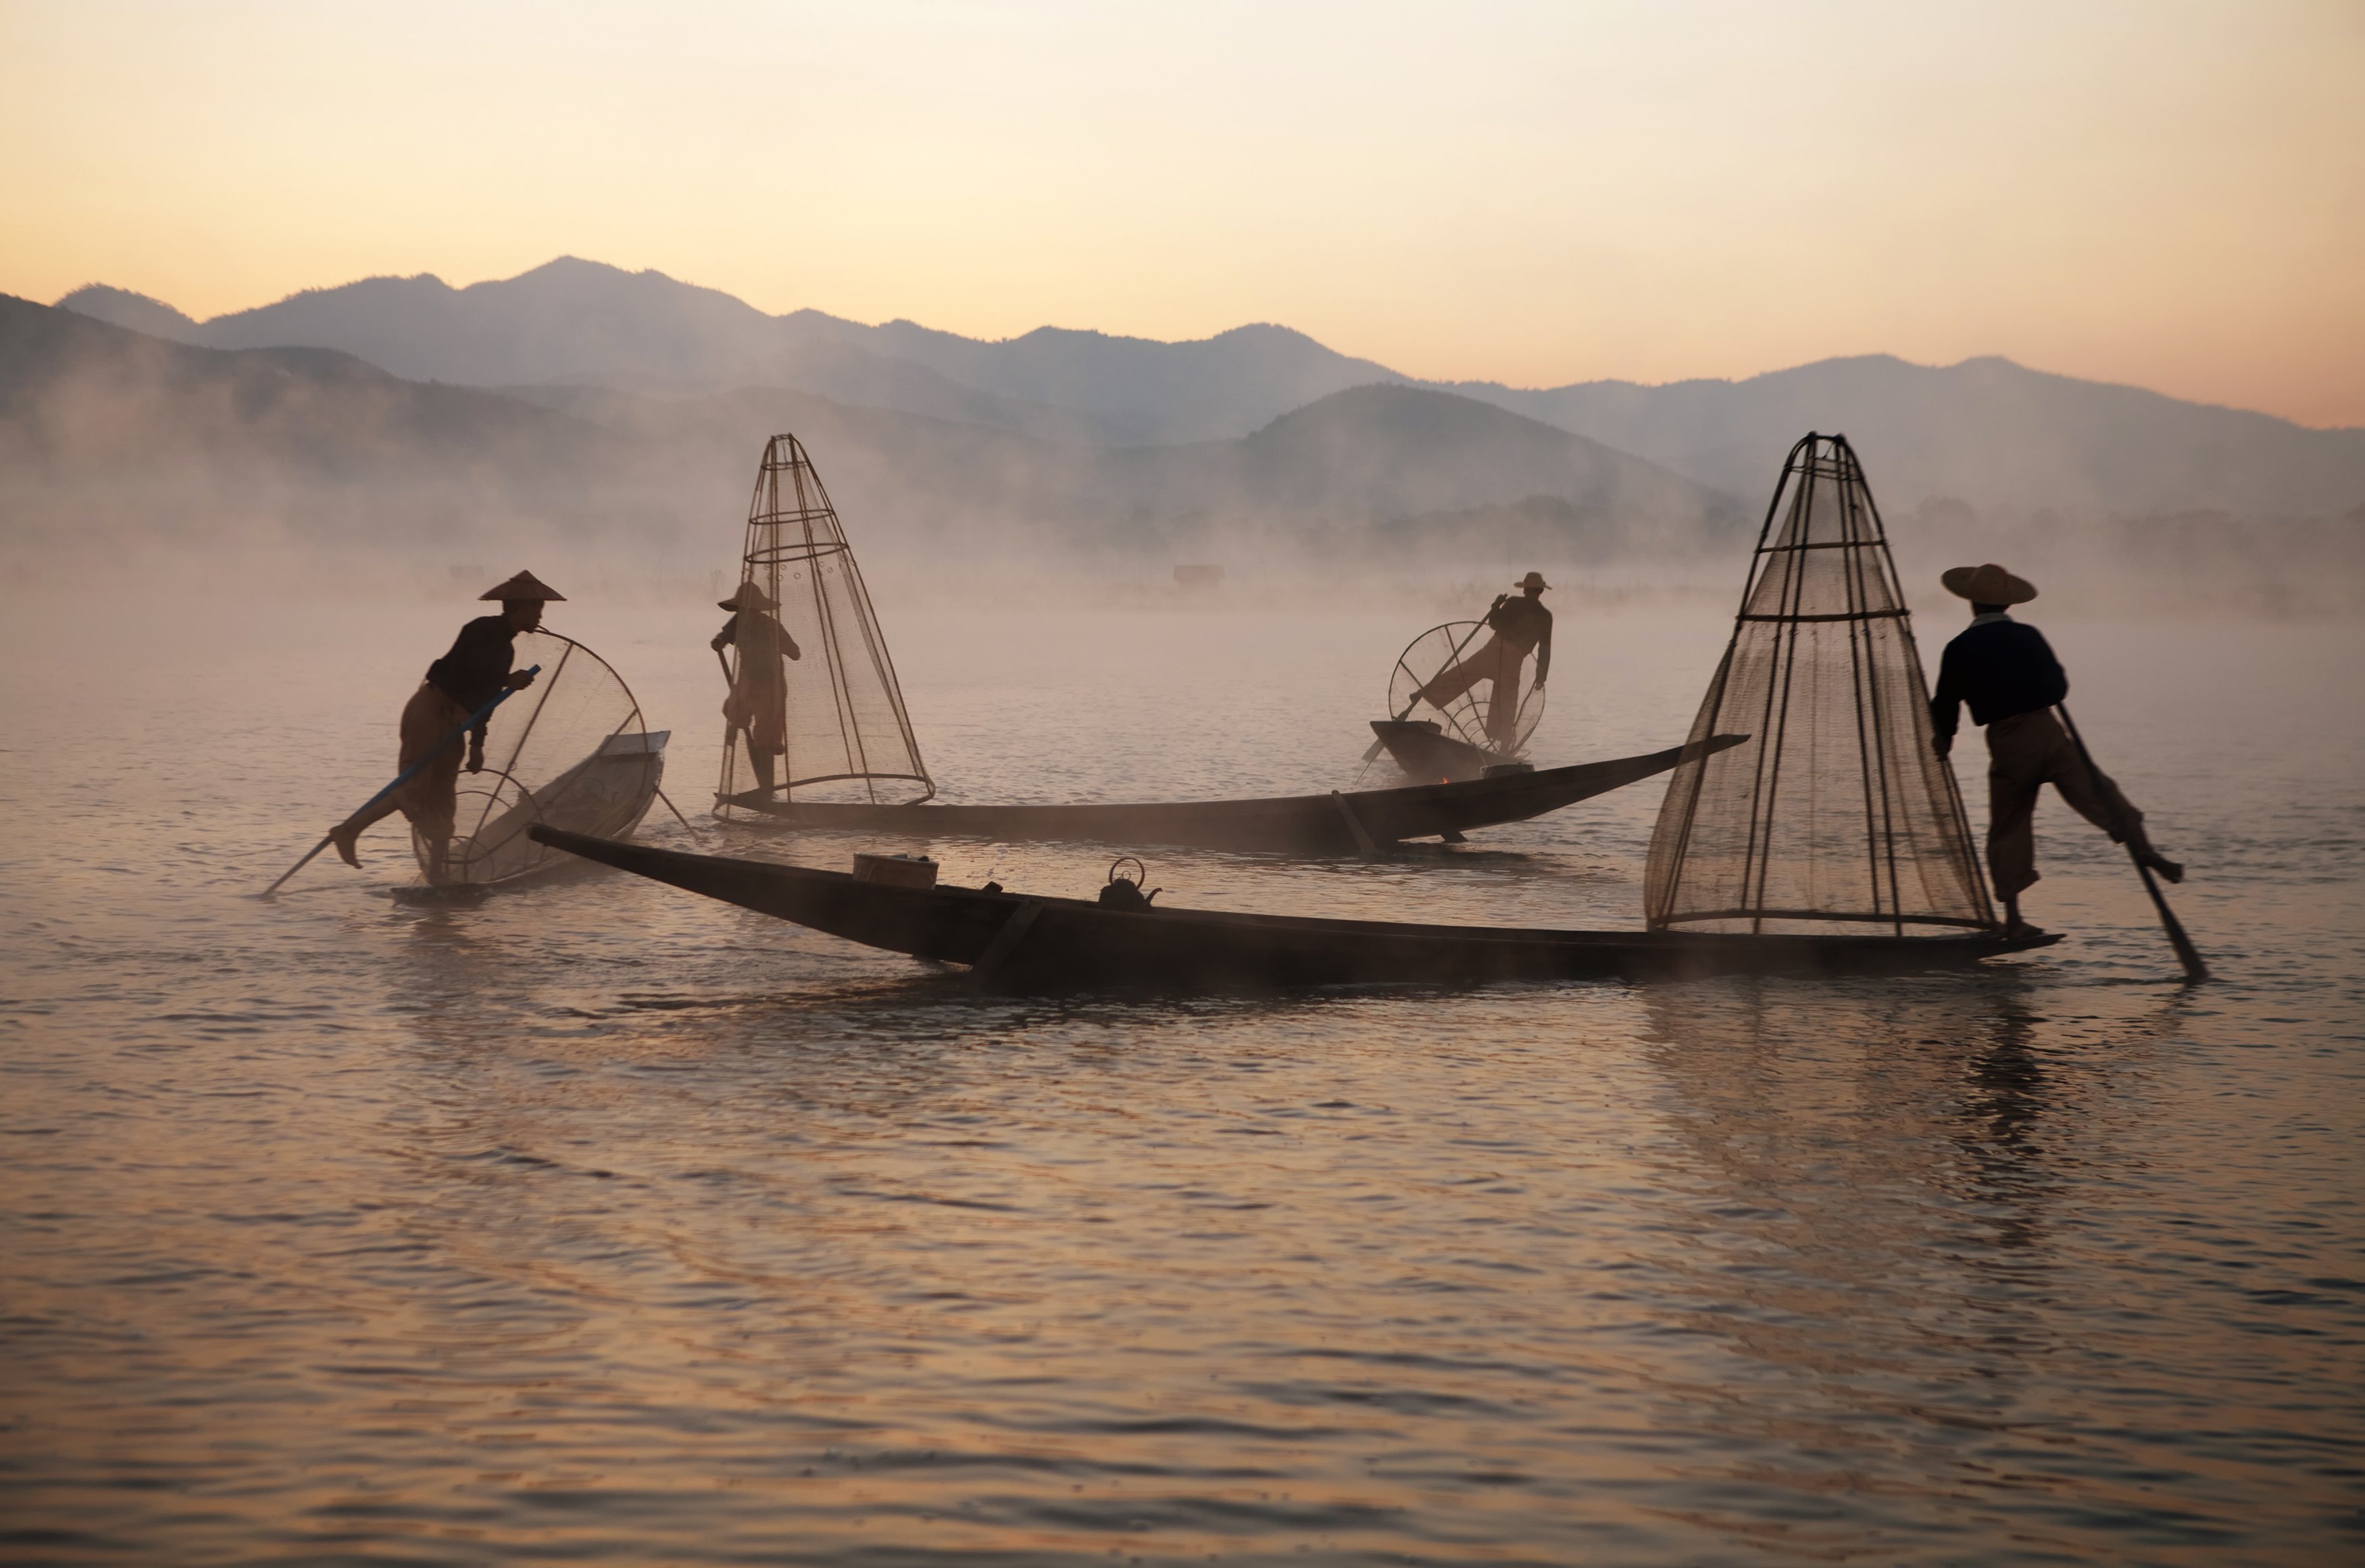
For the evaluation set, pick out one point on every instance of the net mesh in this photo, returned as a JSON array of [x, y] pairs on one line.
[[1836, 809], [827, 720], [1430, 660], [569, 751]]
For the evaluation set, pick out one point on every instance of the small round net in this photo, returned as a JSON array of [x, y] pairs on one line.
[[812, 709], [1454, 674], [569, 751], [1836, 809]]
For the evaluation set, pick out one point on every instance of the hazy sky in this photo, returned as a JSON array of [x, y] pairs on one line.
[[2161, 193]]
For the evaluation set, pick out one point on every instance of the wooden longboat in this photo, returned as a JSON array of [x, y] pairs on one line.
[[1335, 823], [1014, 942]]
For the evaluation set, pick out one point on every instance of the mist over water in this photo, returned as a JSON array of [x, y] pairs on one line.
[[594, 1220]]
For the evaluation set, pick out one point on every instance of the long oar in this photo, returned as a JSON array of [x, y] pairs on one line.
[[2186, 953], [400, 779]]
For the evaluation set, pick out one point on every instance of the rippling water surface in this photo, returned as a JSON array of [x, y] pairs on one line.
[[599, 1222]]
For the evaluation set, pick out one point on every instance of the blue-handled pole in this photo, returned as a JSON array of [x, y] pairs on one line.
[[400, 779]]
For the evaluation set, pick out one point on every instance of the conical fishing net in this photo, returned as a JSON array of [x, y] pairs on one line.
[[814, 708], [1836, 809], [569, 751], [1433, 661]]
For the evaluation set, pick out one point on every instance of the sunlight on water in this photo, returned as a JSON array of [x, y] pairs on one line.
[[598, 1221]]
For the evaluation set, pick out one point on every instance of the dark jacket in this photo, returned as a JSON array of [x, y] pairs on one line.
[[2001, 668], [477, 668], [1524, 624]]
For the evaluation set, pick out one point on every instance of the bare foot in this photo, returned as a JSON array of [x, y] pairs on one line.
[[344, 838], [2016, 928], [2171, 870]]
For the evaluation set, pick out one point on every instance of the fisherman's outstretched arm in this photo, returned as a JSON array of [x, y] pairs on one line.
[[1543, 655], [727, 636]]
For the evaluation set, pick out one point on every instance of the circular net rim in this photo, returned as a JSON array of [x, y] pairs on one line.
[[635, 722], [1465, 716]]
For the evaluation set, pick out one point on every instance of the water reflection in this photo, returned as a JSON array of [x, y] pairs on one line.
[[1869, 1187]]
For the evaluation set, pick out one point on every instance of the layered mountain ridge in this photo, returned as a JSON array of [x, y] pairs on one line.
[[1988, 433]]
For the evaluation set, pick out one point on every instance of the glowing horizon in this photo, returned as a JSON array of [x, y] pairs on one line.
[[2165, 195]]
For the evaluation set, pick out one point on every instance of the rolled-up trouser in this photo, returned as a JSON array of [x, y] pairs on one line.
[[2025, 753], [762, 710], [428, 796], [1499, 662]]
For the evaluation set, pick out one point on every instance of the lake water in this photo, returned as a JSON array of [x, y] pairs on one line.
[[599, 1222]]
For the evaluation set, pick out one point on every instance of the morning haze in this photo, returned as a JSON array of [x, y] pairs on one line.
[[1035, 784]]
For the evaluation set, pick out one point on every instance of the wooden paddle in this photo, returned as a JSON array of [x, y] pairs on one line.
[[400, 779], [2186, 953]]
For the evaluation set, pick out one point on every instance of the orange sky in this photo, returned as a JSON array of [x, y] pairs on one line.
[[2160, 193]]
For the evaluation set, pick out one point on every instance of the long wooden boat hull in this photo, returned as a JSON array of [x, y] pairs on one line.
[[1024, 944], [1337, 823]]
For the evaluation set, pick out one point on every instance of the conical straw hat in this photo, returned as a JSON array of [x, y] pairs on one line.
[[748, 597], [525, 584], [1989, 584]]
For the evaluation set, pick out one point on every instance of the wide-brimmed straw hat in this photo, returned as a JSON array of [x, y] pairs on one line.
[[748, 596], [525, 585], [1989, 584], [1532, 580]]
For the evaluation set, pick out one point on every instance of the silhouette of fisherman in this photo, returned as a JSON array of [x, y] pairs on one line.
[[456, 685], [1517, 626], [2005, 671], [758, 701]]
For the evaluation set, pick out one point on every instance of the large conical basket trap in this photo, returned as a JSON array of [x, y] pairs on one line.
[[813, 701], [1836, 810]]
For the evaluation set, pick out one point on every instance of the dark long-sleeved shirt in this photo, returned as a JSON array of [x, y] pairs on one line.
[[1998, 667], [477, 668], [1524, 624], [761, 649]]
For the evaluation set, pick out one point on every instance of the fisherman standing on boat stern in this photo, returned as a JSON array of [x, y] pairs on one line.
[[1517, 626], [758, 702], [2007, 673], [456, 685]]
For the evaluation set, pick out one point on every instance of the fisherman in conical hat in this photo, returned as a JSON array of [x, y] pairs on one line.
[[2005, 671], [1517, 626], [456, 687], [757, 705]]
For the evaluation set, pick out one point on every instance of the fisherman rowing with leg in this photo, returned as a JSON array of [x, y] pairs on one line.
[[456, 685], [757, 705], [2005, 671], [1516, 626]]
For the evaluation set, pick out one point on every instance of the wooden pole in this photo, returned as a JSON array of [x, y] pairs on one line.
[[2186, 953], [400, 779]]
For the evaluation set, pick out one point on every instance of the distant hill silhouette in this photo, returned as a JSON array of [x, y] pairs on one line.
[[99, 420], [136, 311], [572, 320], [1987, 432]]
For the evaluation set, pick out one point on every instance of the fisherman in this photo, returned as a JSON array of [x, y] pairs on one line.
[[2005, 671], [758, 702], [456, 685], [1518, 626]]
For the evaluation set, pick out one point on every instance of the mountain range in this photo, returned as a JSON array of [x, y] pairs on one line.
[[104, 428], [1986, 433]]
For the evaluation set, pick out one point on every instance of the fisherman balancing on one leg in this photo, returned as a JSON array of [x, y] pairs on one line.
[[1517, 626], [757, 704], [457, 685], [2007, 673]]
